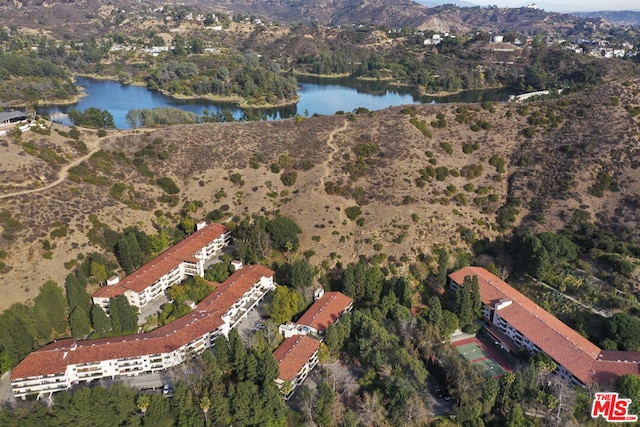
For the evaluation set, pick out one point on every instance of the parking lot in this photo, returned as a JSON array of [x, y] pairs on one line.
[[247, 326]]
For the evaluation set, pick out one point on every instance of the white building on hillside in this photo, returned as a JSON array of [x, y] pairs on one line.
[[187, 258], [67, 362]]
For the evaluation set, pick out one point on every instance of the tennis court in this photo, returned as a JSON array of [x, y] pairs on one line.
[[473, 352]]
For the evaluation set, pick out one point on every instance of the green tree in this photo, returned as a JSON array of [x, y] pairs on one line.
[[464, 310], [443, 265], [142, 403], [363, 283], [302, 273], [219, 272], [50, 310], [284, 233], [625, 331], [268, 369], [79, 321], [237, 353], [434, 313], [252, 240], [129, 253], [285, 303], [124, 317], [221, 352], [99, 319], [629, 387], [76, 289], [205, 405]]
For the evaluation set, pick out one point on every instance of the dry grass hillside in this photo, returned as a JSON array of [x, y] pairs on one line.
[[479, 171]]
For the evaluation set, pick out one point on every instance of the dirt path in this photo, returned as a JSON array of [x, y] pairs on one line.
[[328, 160], [95, 144], [334, 150]]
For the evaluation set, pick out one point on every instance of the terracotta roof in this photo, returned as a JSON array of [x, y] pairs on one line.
[[612, 364], [206, 317], [293, 353], [325, 311], [567, 347], [151, 272]]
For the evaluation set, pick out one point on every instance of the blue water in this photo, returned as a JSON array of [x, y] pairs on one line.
[[316, 97]]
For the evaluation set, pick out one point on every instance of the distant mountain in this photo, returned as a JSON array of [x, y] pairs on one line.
[[434, 3], [619, 17]]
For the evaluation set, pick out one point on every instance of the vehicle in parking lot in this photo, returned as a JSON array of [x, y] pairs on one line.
[[260, 325], [167, 389]]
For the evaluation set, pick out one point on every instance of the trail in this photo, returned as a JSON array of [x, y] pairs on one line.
[[64, 172], [334, 150]]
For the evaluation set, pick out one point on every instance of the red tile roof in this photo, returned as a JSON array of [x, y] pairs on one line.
[[567, 347], [293, 353], [325, 311], [578, 355], [55, 357], [613, 364], [151, 272]]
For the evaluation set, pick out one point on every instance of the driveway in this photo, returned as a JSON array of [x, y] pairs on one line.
[[247, 326]]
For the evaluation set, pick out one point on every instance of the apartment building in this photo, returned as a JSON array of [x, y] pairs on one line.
[[518, 322], [327, 309], [187, 258], [67, 362], [296, 356], [298, 353]]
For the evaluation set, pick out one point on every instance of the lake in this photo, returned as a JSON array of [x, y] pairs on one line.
[[317, 96]]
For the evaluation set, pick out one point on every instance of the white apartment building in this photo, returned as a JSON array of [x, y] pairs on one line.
[[187, 258], [518, 322], [67, 362]]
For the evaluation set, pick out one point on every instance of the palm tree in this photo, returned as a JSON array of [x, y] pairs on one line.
[[142, 403], [205, 404]]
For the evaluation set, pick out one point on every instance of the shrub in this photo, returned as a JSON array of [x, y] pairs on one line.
[[471, 171], [469, 147], [603, 183], [421, 125], [168, 185], [529, 132], [446, 147], [499, 163], [441, 173], [236, 178], [289, 178], [353, 212], [275, 168]]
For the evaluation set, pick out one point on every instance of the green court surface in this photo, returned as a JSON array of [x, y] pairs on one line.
[[475, 354]]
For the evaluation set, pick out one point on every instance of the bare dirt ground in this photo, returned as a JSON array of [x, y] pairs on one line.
[[553, 169]]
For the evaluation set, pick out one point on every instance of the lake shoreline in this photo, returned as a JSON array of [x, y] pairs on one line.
[[236, 100]]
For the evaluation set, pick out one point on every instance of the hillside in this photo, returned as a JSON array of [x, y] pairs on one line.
[[477, 176], [91, 18]]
